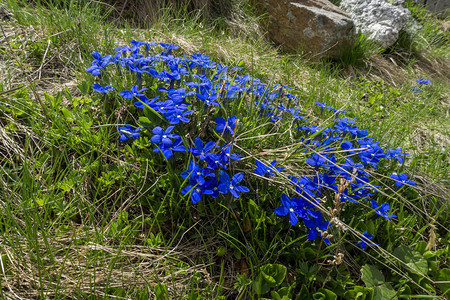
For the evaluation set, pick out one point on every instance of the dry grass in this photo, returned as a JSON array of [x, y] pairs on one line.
[[73, 267]]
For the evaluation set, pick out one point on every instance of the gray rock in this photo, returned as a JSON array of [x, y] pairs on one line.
[[315, 26], [379, 20]]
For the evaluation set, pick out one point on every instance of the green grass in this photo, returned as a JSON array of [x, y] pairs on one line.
[[84, 216]]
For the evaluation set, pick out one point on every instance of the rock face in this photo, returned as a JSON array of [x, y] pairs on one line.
[[316, 27], [380, 20]]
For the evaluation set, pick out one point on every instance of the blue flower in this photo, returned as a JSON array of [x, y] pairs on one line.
[[195, 190], [177, 116], [127, 132], [401, 179], [196, 173], [263, 169], [397, 154], [208, 97], [224, 126], [226, 155], [200, 150], [134, 92], [423, 81], [316, 225], [294, 208], [99, 63], [163, 136], [226, 185], [316, 160], [168, 150], [144, 101], [382, 210], [366, 240], [303, 185], [102, 89], [288, 207]]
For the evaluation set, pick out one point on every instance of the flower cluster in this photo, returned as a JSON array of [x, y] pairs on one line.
[[421, 82], [341, 155]]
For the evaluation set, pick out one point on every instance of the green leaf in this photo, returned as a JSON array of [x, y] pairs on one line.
[[429, 254], [275, 295], [270, 276], [325, 295], [145, 122], [412, 259], [444, 277], [304, 293], [384, 292], [274, 273], [421, 246], [371, 276], [359, 293], [259, 285]]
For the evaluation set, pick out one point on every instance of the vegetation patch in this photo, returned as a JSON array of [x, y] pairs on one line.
[[188, 163]]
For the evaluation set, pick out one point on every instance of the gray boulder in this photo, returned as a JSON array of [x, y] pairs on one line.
[[316, 27], [379, 20]]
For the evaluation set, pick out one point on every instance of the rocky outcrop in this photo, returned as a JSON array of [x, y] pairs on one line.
[[379, 20], [316, 27]]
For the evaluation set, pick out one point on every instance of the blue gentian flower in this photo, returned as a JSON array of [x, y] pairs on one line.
[[382, 210], [144, 101], [177, 116], [102, 89], [366, 240], [401, 179], [226, 185], [397, 154], [316, 224], [163, 136], [292, 208], [303, 185], [423, 81], [168, 46], [127, 132], [167, 151], [288, 207], [195, 190], [226, 155], [200, 150], [316, 160], [263, 169], [99, 63], [134, 92], [208, 97], [224, 126], [195, 172]]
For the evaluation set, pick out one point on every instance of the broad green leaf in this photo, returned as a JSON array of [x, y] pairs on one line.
[[371, 276], [145, 122], [274, 273], [384, 292], [259, 285], [359, 293], [324, 294], [412, 259], [444, 281]]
